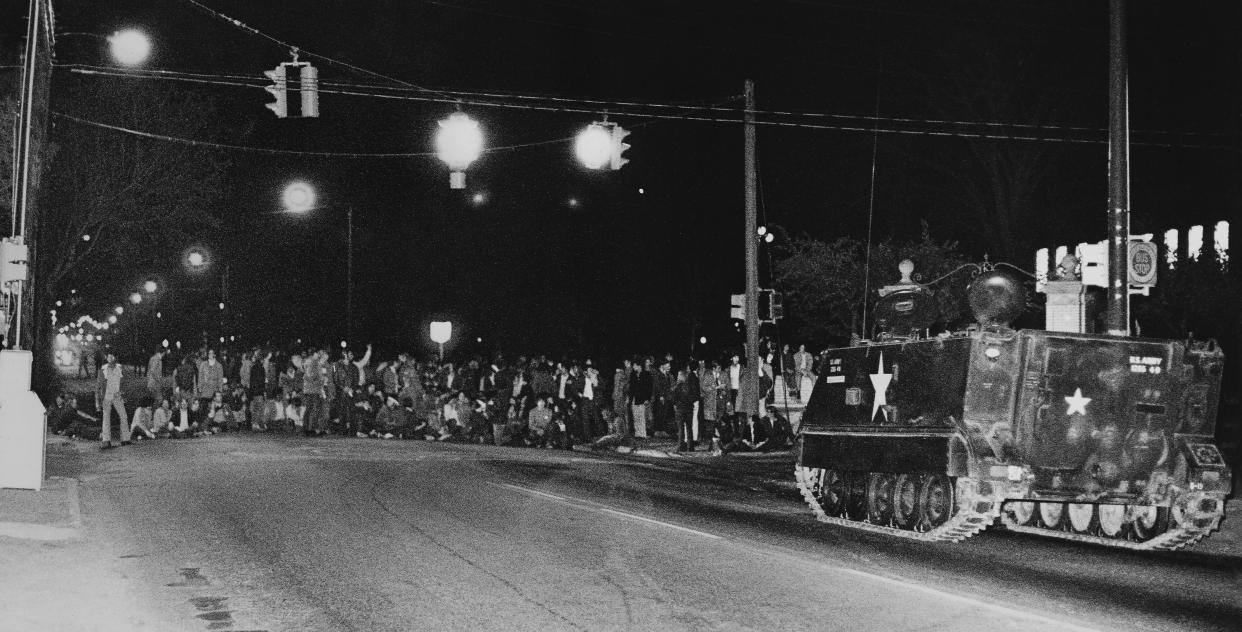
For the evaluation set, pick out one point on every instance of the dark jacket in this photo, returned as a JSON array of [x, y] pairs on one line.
[[641, 387]]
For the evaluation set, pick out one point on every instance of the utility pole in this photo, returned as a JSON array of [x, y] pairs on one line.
[[750, 375], [1118, 318], [349, 272]]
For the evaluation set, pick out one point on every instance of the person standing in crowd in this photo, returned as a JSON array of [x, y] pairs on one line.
[[313, 395], [709, 384], [787, 370], [108, 395], [588, 403], [641, 386], [185, 377], [155, 374], [735, 382], [767, 378], [685, 393], [621, 399], [210, 380], [256, 386], [803, 376], [662, 397]]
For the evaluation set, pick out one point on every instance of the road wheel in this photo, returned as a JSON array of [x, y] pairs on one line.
[[936, 501], [832, 493], [880, 498], [1112, 520], [1147, 521], [856, 509], [1081, 517], [905, 501], [1051, 514]]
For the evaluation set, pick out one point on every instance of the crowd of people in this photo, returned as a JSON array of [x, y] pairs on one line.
[[527, 401]]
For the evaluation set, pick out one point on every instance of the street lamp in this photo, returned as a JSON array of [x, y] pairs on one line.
[[458, 143], [298, 197], [135, 298], [441, 332], [150, 287], [129, 47], [196, 259], [594, 146]]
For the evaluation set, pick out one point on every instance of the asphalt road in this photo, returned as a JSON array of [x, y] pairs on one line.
[[259, 532]]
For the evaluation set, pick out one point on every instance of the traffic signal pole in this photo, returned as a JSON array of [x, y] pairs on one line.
[[750, 375]]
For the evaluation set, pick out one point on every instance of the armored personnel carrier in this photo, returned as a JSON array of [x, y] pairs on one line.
[[1105, 439]]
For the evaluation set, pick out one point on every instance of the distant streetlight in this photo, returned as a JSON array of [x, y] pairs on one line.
[[769, 238], [111, 321], [478, 198], [86, 237], [196, 259], [702, 340], [60, 303], [762, 230], [594, 146], [119, 310], [573, 202], [135, 298], [441, 332], [130, 47], [165, 343], [221, 306], [150, 287], [298, 197], [459, 143]]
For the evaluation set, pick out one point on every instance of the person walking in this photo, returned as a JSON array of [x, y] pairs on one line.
[[108, 395]]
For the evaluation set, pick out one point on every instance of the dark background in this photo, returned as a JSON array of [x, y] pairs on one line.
[[624, 271]]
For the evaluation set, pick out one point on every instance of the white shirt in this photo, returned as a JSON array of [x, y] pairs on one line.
[[735, 376]]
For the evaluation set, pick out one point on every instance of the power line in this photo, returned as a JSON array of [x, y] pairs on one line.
[[862, 123], [297, 49]]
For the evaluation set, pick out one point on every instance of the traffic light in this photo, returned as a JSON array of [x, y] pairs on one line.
[[776, 305], [280, 90], [737, 306], [310, 91], [618, 147]]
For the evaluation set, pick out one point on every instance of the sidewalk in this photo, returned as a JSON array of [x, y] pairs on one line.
[[48, 514]]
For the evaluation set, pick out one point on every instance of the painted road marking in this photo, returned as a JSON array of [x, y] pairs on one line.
[[587, 504]]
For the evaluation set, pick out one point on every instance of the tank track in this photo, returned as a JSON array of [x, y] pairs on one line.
[[1174, 538], [973, 514]]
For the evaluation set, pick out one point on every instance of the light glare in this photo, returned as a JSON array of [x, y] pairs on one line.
[[129, 47], [594, 146]]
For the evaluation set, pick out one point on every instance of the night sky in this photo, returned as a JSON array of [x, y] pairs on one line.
[[629, 271]]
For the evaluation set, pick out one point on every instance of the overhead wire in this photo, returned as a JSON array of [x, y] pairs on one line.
[[602, 106], [299, 50]]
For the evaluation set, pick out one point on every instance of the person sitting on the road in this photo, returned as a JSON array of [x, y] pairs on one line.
[[161, 418], [391, 421], [141, 428], [219, 417], [366, 407], [68, 420], [295, 413], [538, 421], [753, 436], [781, 430], [185, 421]]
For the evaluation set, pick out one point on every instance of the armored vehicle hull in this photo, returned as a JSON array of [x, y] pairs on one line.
[[1096, 438]]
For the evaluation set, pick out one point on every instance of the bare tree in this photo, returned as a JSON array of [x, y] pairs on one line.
[[136, 197]]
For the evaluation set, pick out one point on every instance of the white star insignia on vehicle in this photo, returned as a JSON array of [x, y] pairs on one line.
[[1077, 403], [879, 381]]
